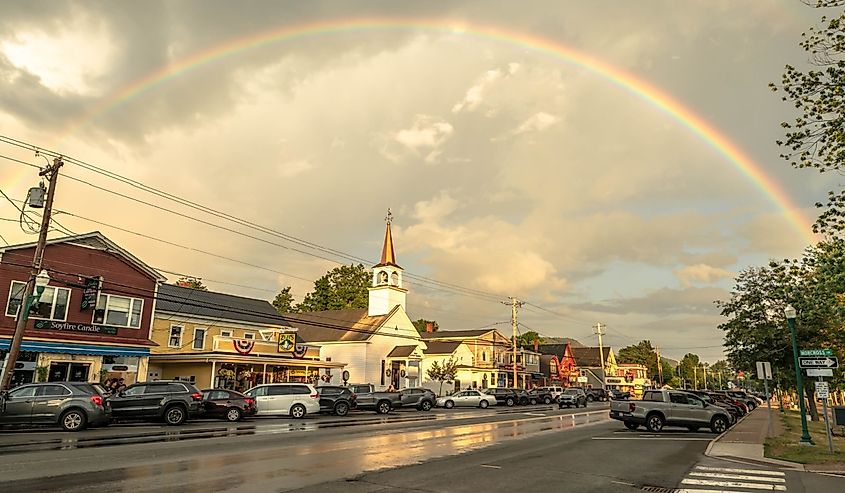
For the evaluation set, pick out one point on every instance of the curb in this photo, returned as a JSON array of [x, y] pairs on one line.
[[753, 460]]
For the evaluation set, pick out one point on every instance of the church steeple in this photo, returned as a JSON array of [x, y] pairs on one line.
[[386, 291], [388, 255]]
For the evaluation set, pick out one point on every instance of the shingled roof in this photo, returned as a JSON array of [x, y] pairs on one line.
[[208, 304], [587, 357], [441, 347], [446, 334], [336, 325]]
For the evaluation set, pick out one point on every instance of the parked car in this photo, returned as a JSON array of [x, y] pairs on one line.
[[740, 395], [572, 396], [597, 395], [660, 408], [523, 397], [367, 398], [538, 395], [740, 404], [226, 404], [336, 400], [505, 397], [174, 402], [292, 399], [719, 400], [618, 395], [466, 398], [71, 405], [555, 391], [418, 397]]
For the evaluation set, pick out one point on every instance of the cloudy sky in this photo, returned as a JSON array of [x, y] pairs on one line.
[[510, 170]]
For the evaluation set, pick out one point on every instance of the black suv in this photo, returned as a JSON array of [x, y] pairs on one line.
[[419, 397], [174, 402], [505, 397], [538, 395], [597, 395], [336, 400]]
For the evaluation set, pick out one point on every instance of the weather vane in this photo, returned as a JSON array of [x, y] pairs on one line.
[[389, 217]]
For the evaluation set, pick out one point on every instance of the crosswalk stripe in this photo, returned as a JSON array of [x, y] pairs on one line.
[[741, 477], [734, 484], [746, 471]]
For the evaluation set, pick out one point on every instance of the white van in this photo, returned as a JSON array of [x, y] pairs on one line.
[[293, 399]]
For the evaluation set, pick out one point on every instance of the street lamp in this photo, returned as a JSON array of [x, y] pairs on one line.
[[805, 435]]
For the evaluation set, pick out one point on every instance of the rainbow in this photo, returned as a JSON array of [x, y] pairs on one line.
[[640, 88]]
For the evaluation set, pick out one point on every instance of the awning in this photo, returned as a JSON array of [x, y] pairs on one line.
[[70, 348]]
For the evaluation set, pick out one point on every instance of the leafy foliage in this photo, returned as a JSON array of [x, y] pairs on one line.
[[283, 302], [816, 138], [191, 282], [645, 354], [445, 372], [420, 325], [341, 288], [527, 339]]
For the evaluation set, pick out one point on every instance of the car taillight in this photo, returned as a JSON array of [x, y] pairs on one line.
[[315, 396], [97, 400], [196, 396], [249, 402], [631, 407]]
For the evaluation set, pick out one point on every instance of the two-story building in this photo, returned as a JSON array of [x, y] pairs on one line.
[[630, 377], [594, 365], [485, 365], [226, 341], [92, 321], [379, 344], [557, 364]]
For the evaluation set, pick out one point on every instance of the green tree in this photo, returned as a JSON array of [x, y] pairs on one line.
[[527, 339], [687, 369], [421, 323], [191, 282], [816, 137], [341, 288], [644, 354], [283, 302], [445, 372]]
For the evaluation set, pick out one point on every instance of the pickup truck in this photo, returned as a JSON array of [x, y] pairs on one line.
[[367, 398], [660, 408]]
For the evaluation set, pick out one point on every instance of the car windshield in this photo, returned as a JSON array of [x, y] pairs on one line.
[[571, 391]]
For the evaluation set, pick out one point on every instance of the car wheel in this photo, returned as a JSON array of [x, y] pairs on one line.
[[631, 425], [654, 422], [449, 405], [425, 406], [383, 407], [533, 402], [509, 402], [233, 414], [298, 411], [73, 420], [719, 425], [547, 400], [483, 404], [341, 409], [693, 428], [590, 398], [175, 415]]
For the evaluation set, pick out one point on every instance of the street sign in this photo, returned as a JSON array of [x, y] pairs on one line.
[[821, 390], [764, 370], [819, 372], [818, 362], [816, 352]]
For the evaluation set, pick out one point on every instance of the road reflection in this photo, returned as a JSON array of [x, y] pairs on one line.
[[292, 463]]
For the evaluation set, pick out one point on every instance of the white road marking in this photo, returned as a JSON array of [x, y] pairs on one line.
[[491, 466], [746, 471], [670, 439], [623, 483], [534, 414], [741, 477], [733, 484]]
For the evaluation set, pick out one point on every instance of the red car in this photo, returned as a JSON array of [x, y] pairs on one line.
[[226, 404]]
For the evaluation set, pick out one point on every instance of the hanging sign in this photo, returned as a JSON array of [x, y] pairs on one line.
[[287, 342], [90, 292]]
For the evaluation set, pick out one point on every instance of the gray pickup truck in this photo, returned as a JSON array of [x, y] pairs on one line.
[[660, 408], [367, 398]]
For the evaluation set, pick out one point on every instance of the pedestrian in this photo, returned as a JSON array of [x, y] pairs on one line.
[[121, 385], [391, 388]]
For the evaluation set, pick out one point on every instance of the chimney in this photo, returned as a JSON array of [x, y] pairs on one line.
[[429, 326], [536, 345]]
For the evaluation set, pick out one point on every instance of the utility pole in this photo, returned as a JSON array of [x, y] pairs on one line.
[[659, 366], [695, 377], [514, 303], [52, 174], [720, 379], [598, 328]]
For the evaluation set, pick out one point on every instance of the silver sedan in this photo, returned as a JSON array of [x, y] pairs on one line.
[[466, 398]]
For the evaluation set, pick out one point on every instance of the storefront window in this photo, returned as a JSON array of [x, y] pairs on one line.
[[51, 306], [120, 311]]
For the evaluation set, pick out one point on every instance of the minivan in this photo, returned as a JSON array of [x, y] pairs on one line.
[[293, 399]]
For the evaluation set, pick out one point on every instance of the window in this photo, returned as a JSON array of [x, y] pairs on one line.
[[257, 392], [225, 333], [23, 392], [175, 337], [653, 396], [199, 338], [51, 306], [52, 390], [249, 335], [678, 398], [299, 389], [278, 390], [137, 390], [119, 311]]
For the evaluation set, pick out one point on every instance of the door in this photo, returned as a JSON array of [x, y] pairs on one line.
[[279, 399], [679, 408], [696, 411], [328, 396], [216, 402], [129, 403], [47, 402], [262, 400], [471, 398], [410, 397], [16, 407]]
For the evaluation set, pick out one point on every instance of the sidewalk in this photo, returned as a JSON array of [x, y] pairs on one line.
[[744, 441]]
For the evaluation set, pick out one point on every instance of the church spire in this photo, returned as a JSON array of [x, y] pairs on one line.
[[388, 255]]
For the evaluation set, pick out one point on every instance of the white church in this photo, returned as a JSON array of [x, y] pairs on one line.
[[379, 344]]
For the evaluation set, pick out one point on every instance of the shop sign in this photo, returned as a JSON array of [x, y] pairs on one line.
[[287, 342], [90, 292], [71, 327]]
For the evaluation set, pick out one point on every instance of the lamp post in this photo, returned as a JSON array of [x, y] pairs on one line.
[[41, 281], [805, 435]]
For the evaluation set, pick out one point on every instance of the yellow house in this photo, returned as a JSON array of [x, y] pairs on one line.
[[484, 356], [225, 341]]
